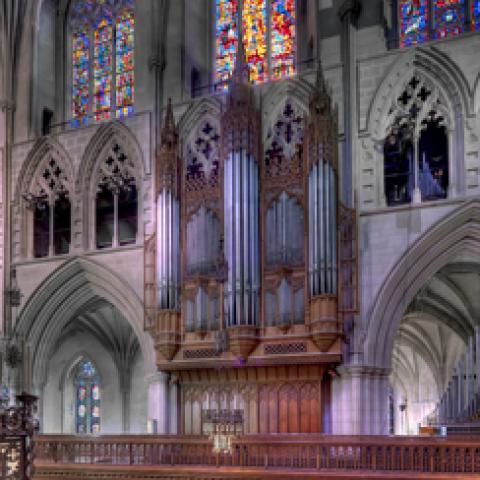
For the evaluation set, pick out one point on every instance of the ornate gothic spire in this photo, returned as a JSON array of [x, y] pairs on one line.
[[320, 101], [169, 134], [167, 156], [240, 92]]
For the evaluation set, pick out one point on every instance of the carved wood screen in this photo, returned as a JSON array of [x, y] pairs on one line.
[[17, 427], [150, 283], [289, 408]]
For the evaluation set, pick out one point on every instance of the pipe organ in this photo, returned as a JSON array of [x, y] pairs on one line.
[[245, 274]]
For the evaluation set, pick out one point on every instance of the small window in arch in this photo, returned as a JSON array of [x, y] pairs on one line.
[[87, 407], [116, 202], [269, 35]]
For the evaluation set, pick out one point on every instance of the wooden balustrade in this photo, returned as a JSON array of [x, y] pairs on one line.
[[296, 452]]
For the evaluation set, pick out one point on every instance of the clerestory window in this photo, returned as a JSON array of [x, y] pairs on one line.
[[423, 20], [269, 36], [103, 77]]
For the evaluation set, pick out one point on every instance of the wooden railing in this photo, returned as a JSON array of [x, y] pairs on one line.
[[299, 452]]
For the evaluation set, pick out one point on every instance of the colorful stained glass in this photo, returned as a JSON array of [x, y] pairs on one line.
[[255, 38], [81, 406], [476, 15], [283, 38], [413, 22], [81, 76], [226, 41], [449, 16], [124, 63], [88, 369], [88, 399], [102, 68]]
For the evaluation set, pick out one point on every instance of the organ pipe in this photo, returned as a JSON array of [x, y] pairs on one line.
[[241, 207], [168, 218], [168, 236], [322, 204], [240, 156]]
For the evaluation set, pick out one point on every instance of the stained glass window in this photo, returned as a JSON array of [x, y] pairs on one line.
[[422, 20], [413, 22], [254, 35], [87, 387], [268, 30], [81, 68], [124, 61], [102, 68], [283, 38], [226, 39], [102, 59], [476, 15], [449, 17]]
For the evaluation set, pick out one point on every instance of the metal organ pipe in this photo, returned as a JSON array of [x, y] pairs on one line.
[[322, 227], [168, 241], [241, 203]]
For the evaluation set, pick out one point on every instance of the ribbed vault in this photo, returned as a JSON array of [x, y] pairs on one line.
[[84, 295], [433, 334]]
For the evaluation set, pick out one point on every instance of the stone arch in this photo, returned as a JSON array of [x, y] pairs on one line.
[[433, 64], [42, 149], [296, 90], [101, 143], [476, 95], [207, 112], [458, 233], [210, 107], [438, 70], [64, 294]]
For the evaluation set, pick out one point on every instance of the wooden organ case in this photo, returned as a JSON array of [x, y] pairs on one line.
[[252, 269]]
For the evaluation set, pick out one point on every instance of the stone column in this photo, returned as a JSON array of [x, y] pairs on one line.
[[174, 405], [461, 386], [469, 373], [477, 357], [360, 401], [158, 402], [348, 13]]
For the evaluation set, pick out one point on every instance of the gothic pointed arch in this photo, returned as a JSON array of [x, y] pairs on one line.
[[414, 73], [67, 293], [46, 181], [296, 90], [209, 106], [113, 165], [456, 234], [199, 132]]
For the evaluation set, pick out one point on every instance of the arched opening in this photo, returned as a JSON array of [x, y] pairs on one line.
[[116, 202], [429, 346], [95, 375], [82, 312], [433, 161], [398, 167], [424, 329]]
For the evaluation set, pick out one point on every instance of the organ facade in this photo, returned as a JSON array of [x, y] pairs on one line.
[[251, 271]]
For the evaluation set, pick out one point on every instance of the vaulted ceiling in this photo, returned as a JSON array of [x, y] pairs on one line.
[[435, 329]]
